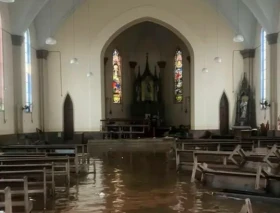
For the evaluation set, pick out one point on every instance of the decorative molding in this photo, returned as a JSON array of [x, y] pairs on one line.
[[105, 60], [17, 40], [161, 64], [132, 64], [272, 38], [42, 54], [248, 53]]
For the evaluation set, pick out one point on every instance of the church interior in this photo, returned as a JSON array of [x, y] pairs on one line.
[[68, 72], [176, 77]]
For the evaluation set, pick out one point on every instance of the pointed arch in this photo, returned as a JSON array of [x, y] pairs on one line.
[[68, 118], [117, 77], [178, 76], [224, 115]]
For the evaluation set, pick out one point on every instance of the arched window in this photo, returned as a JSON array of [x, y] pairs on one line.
[[117, 77], [1, 69], [178, 77], [28, 72], [263, 65]]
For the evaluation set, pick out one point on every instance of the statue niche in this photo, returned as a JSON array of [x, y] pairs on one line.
[[146, 99], [244, 105]]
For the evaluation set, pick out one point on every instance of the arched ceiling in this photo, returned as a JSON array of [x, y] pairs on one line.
[[251, 12]]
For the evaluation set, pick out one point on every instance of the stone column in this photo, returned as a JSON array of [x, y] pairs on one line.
[[161, 65], [133, 74], [42, 56], [274, 75], [18, 64], [248, 61]]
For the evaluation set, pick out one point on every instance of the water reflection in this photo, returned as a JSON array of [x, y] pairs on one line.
[[142, 185]]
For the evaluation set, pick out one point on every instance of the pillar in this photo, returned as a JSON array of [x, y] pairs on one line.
[[18, 64], [133, 74], [42, 56], [248, 64], [161, 65], [274, 81]]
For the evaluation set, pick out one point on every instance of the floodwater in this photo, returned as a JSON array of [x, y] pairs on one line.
[[145, 185]]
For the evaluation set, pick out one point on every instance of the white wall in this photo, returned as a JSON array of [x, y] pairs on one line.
[[8, 127], [96, 30]]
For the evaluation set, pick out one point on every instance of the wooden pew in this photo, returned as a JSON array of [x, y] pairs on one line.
[[76, 152], [23, 190], [37, 187], [7, 203]]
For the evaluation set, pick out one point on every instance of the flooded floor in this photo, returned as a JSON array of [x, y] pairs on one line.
[[144, 185]]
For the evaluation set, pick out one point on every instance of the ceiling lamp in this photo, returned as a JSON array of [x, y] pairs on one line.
[[205, 70], [51, 41], [74, 61], [218, 59], [238, 38], [89, 74], [7, 1]]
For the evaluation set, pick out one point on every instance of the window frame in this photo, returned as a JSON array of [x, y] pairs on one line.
[[28, 72], [263, 65]]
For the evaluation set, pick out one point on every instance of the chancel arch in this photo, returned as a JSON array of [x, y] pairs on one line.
[[150, 65]]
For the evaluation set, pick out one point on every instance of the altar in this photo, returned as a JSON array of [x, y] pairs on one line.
[[147, 101]]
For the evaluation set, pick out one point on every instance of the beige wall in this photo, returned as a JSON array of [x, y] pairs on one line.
[[8, 127], [106, 21]]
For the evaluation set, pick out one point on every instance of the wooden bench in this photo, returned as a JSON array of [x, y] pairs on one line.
[[50, 171], [73, 162], [8, 203], [37, 186]]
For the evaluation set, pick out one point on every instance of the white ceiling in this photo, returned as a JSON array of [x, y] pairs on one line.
[[265, 12]]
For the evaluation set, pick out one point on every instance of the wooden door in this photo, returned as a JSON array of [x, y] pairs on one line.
[[224, 115], [68, 119]]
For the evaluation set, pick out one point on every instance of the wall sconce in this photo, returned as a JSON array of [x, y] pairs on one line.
[[264, 104]]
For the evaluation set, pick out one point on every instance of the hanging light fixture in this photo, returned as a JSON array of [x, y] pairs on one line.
[[50, 40], [89, 74], [217, 59], [7, 1], [74, 60], [205, 70], [238, 38]]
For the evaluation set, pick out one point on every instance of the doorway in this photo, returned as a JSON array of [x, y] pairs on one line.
[[68, 119], [224, 115]]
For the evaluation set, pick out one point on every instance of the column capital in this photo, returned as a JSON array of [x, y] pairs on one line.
[[272, 38], [248, 53], [161, 64], [105, 60], [132, 64], [42, 54], [17, 40]]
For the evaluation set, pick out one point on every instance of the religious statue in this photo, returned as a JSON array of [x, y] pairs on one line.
[[244, 107]]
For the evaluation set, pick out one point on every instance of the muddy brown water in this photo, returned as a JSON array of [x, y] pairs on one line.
[[144, 185]]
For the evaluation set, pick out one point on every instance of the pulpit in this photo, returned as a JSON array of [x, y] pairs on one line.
[[147, 94]]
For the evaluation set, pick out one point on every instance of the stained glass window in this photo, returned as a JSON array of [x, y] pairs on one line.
[[1, 69], [28, 73], [263, 65], [178, 77], [117, 77]]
